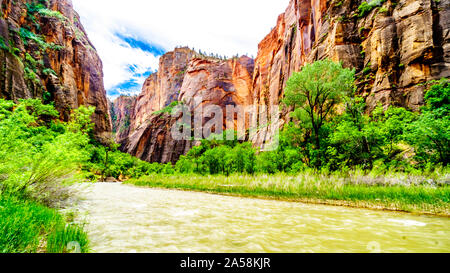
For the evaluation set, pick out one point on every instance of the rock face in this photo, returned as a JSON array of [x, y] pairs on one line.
[[45, 53], [162, 88], [183, 75], [122, 113], [139, 131], [395, 48], [153, 141]]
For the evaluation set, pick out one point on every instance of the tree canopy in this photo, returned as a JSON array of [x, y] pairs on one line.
[[316, 91]]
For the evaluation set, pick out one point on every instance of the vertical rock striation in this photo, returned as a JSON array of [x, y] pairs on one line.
[[395, 49], [122, 114], [45, 53]]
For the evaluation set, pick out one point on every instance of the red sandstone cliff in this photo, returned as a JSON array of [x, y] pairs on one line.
[[164, 86], [183, 75], [395, 48], [122, 114], [45, 53]]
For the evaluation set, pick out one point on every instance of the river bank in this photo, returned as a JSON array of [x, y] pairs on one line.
[[395, 193]]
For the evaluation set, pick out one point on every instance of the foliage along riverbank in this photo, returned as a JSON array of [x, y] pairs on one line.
[[398, 192], [39, 157]]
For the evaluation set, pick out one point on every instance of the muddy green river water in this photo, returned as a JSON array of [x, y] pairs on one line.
[[122, 218]]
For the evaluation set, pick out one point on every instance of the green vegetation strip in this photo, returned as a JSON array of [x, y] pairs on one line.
[[310, 188], [28, 227]]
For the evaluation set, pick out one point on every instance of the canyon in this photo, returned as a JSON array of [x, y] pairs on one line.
[[45, 53], [396, 47]]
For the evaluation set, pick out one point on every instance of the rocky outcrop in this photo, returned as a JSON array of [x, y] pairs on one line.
[[153, 141], [406, 44], [183, 75], [163, 87], [218, 82], [45, 53], [122, 114]]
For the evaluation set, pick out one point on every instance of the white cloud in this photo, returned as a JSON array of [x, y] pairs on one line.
[[223, 27]]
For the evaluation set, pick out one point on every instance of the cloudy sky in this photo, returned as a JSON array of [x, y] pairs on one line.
[[131, 35]]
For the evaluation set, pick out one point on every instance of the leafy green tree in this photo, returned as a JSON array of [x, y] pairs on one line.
[[438, 96], [358, 139], [356, 144], [315, 92], [194, 155], [245, 158], [110, 146], [81, 120], [394, 122], [430, 134], [186, 165], [266, 162], [215, 159]]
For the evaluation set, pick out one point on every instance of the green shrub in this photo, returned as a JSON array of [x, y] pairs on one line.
[[366, 7], [37, 156], [52, 13], [168, 109], [430, 134]]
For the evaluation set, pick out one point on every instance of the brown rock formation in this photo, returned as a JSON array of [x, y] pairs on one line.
[[153, 141], [163, 87], [45, 53], [218, 82], [183, 75], [122, 114]]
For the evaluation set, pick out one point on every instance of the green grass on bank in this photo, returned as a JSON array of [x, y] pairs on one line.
[[28, 227], [394, 192]]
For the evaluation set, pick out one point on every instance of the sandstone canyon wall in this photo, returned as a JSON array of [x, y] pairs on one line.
[[183, 75], [45, 53], [395, 48]]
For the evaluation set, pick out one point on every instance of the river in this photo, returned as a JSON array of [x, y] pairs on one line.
[[122, 218]]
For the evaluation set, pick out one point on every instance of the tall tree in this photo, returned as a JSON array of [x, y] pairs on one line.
[[430, 134], [315, 92]]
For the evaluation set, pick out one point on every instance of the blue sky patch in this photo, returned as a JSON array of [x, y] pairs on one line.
[[133, 85], [128, 88], [141, 44]]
